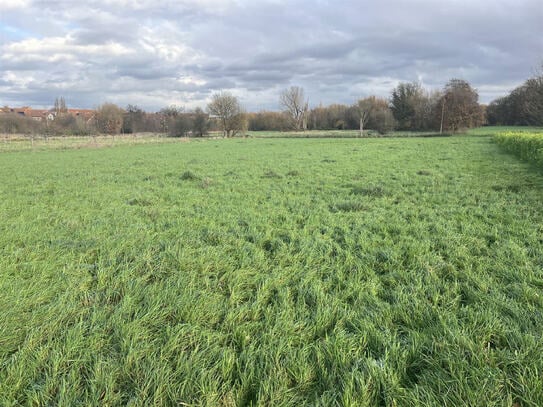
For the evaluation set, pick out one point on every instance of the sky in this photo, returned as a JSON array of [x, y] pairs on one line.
[[155, 53]]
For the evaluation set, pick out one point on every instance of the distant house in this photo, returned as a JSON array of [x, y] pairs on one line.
[[48, 115], [39, 115], [21, 111], [35, 114]]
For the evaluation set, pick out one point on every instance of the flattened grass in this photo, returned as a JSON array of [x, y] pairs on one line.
[[124, 281]]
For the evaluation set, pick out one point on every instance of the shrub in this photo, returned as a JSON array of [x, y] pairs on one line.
[[11, 123], [180, 126]]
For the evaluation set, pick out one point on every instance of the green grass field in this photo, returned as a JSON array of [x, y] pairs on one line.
[[479, 131], [25, 142], [272, 272]]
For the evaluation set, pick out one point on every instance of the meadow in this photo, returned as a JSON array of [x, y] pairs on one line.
[[26, 142], [273, 272]]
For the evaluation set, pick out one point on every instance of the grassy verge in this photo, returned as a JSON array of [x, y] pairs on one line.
[[480, 131], [397, 272], [340, 134], [528, 146]]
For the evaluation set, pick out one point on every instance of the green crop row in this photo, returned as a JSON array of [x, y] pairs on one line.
[[528, 146]]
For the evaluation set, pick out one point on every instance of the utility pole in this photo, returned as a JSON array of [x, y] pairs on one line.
[[442, 116]]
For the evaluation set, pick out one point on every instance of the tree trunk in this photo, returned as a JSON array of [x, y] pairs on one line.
[[361, 127]]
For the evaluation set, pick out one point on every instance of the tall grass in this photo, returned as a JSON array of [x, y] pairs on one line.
[[22, 142], [272, 272], [528, 146]]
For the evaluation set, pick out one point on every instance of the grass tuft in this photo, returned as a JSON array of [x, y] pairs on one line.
[[189, 176], [271, 174], [139, 202], [347, 206], [377, 191]]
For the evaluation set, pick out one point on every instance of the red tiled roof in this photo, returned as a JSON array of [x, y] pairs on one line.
[[29, 112], [36, 112], [85, 113]]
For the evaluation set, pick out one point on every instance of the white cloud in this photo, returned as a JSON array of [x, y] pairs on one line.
[[47, 47], [9, 5]]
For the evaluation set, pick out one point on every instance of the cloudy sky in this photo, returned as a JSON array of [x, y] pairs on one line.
[[154, 53]]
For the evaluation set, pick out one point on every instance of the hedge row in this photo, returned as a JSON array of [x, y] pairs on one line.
[[528, 146]]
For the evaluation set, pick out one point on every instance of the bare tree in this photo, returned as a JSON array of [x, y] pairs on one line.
[[133, 119], [375, 113], [168, 118], [172, 111], [109, 118], [60, 106], [294, 102], [200, 123], [533, 90], [266, 120], [459, 107], [364, 110], [228, 110]]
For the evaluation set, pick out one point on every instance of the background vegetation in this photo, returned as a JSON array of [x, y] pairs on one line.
[[523, 106], [410, 107]]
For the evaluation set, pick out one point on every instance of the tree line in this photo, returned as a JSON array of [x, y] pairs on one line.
[[410, 107], [522, 107]]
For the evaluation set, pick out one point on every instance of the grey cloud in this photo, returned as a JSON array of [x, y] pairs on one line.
[[102, 35], [144, 72]]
